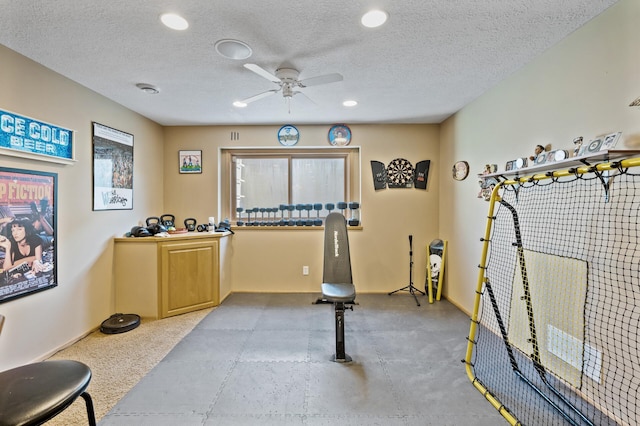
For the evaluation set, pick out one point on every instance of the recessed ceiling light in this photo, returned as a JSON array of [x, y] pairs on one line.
[[233, 49], [239, 104], [374, 18], [148, 88], [173, 21], [350, 103]]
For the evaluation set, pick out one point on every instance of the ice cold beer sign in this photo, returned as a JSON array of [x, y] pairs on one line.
[[24, 136]]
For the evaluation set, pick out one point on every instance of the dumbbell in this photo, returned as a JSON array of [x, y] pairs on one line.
[[240, 222], [342, 206], [355, 215], [255, 216], [291, 208], [308, 208], [317, 221], [299, 221], [262, 222]]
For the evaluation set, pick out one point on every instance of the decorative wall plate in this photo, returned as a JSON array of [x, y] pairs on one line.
[[460, 170], [288, 135], [560, 155], [339, 135]]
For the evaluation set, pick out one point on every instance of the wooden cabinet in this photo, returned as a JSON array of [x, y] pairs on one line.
[[159, 277]]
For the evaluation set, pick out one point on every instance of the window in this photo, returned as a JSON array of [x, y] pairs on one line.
[[274, 179]]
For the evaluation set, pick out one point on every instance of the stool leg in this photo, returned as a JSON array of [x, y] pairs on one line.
[[340, 356], [90, 413]]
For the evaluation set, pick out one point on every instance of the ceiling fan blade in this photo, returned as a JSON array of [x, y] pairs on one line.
[[259, 96], [262, 72], [302, 96], [321, 79]]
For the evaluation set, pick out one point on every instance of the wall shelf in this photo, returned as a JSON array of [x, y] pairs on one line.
[[583, 160]]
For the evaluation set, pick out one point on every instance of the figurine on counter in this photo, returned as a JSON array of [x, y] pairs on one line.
[[540, 154], [577, 142]]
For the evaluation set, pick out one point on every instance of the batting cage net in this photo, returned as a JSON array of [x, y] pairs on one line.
[[554, 337]]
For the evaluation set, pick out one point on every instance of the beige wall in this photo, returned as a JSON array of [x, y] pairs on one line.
[[271, 260], [40, 323], [581, 87]]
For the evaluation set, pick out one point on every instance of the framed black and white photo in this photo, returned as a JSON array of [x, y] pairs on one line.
[[112, 169], [28, 240]]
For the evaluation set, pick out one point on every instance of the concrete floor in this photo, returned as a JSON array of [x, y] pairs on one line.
[[264, 359]]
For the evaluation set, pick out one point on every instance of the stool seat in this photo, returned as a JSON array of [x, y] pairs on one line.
[[34, 393], [333, 292]]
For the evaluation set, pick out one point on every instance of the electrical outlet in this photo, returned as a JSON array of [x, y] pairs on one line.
[[305, 270]]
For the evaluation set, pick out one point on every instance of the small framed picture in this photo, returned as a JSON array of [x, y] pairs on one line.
[[190, 161], [593, 146], [610, 141]]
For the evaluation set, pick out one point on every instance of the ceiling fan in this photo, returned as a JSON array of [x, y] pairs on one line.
[[287, 80]]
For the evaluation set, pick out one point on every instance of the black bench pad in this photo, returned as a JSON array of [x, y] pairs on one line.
[[333, 292]]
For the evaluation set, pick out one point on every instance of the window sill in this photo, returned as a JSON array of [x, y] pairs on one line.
[[288, 228]]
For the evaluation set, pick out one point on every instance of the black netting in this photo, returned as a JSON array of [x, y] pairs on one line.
[[557, 336]]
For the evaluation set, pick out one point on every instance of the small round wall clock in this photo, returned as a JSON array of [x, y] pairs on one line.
[[460, 170], [288, 135], [339, 135]]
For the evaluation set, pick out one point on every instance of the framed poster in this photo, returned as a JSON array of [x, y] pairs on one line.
[[112, 169], [28, 240], [190, 161]]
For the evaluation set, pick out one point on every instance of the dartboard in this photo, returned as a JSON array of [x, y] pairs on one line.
[[399, 173]]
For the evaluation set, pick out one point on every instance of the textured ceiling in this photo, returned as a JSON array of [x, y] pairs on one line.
[[429, 60]]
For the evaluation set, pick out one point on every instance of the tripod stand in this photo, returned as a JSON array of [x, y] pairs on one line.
[[410, 288]]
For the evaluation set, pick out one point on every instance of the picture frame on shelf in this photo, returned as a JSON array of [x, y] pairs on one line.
[[592, 147], [611, 140]]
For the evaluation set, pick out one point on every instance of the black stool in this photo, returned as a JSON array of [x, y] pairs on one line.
[[35, 393]]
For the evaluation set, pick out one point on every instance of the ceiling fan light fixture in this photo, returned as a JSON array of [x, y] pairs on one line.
[[148, 88], [374, 18], [233, 49], [174, 21], [350, 103]]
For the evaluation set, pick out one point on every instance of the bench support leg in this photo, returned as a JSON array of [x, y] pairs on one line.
[[340, 355]]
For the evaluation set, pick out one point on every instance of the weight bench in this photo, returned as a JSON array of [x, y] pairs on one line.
[[337, 283]]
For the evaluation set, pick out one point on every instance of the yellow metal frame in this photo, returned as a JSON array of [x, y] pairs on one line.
[[495, 198], [440, 275]]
